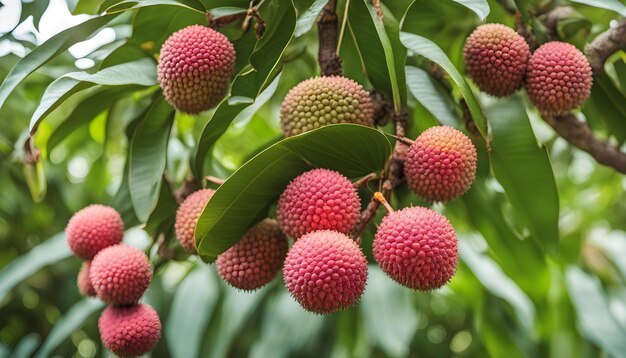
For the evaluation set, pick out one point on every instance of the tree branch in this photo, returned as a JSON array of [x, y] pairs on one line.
[[580, 135], [606, 44], [329, 61]]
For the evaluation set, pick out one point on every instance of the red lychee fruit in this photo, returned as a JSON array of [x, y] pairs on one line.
[[129, 331], [254, 261], [496, 58], [120, 274], [84, 282], [187, 217], [93, 228], [559, 78], [325, 271], [319, 199], [416, 247], [194, 69], [441, 164], [320, 101]]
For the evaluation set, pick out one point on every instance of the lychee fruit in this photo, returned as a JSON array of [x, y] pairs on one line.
[[320, 101], [440, 164], [120, 274], [129, 331], [559, 78], [187, 216], [254, 261], [93, 228], [496, 58], [325, 271], [194, 69], [319, 199], [416, 247], [84, 282]]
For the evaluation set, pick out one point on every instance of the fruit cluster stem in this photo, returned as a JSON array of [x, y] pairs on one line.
[[606, 44], [327, 25]]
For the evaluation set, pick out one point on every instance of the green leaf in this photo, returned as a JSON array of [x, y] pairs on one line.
[[148, 149], [49, 252], [500, 285], [190, 313], [388, 314], [607, 105], [381, 51], [307, 19], [48, 50], [136, 4], [523, 167], [613, 5], [351, 149], [479, 7], [595, 319], [141, 72], [429, 93], [27, 346], [34, 9], [69, 323], [424, 47]]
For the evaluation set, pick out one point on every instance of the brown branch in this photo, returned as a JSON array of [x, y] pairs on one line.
[[330, 63], [580, 135], [392, 179], [606, 44], [383, 108]]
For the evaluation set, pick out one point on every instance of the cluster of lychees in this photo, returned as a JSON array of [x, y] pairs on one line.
[[118, 275], [557, 76]]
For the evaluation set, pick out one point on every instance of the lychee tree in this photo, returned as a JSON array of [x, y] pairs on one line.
[[313, 178]]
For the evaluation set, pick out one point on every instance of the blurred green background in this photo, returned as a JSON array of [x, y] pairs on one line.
[[508, 298]]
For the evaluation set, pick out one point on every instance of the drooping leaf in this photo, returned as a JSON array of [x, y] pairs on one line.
[[49, 252], [613, 5], [430, 95], [71, 321], [193, 5], [479, 7], [307, 19], [424, 47], [48, 50], [351, 149], [523, 167], [147, 154], [190, 313]]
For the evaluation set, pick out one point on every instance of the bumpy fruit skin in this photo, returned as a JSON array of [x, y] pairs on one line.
[[93, 228], [325, 271], [440, 165], [496, 58], [129, 331], [120, 274], [254, 261], [320, 101], [187, 216], [416, 247], [319, 199], [559, 78], [84, 282], [195, 66]]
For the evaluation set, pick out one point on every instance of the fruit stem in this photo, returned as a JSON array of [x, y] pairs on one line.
[[363, 181], [381, 198], [214, 180]]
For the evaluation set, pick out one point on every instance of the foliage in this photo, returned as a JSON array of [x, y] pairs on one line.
[[542, 230]]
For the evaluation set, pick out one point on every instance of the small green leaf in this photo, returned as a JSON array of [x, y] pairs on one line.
[[136, 4], [48, 50], [351, 149], [424, 47], [523, 167], [190, 313], [479, 7], [69, 323], [49, 252], [430, 95], [307, 19], [595, 320], [148, 149], [141, 72]]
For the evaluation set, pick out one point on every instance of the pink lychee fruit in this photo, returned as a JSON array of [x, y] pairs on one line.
[[84, 282], [325, 271], [93, 228], [416, 247], [129, 331], [187, 217]]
